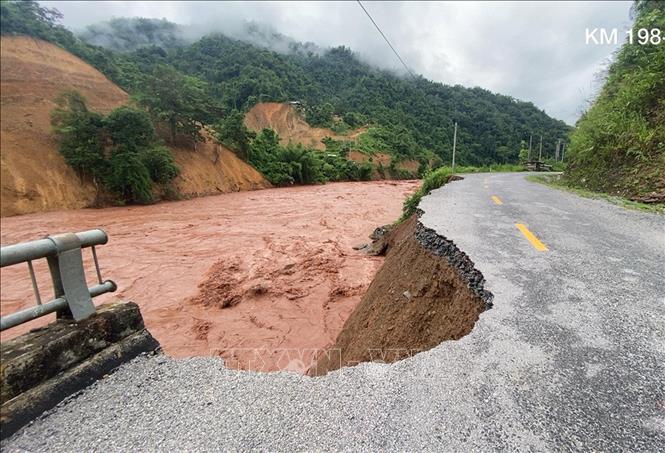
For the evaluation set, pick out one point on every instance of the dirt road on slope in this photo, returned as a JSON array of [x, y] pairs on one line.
[[263, 279]]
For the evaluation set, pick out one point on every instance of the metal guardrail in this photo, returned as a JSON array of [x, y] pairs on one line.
[[73, 298]]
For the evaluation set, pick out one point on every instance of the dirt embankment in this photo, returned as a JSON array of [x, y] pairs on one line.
[[33, 73], [290, 125], [213, 168], [426, 292], [34, 176]]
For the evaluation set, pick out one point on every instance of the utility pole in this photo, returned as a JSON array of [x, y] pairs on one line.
[[562, 151], [556, 153], [530, 137], [454, 144], [540, 153]]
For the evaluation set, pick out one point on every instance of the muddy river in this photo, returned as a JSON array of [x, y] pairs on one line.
[[264, 279]]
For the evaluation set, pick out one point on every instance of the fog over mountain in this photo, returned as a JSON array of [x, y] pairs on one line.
[[127, 34], [533, 51]]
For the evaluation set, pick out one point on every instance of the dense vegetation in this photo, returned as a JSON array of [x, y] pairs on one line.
[[120, 151], [291, 164], [340, 91], [410, 118], [619, 143]]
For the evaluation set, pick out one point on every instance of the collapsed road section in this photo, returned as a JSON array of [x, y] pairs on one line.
[[426, 292]]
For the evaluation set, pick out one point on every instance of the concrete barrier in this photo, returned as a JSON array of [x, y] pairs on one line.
[[44, 366]]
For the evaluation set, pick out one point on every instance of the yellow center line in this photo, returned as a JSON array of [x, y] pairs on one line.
[[496, 199], [531, 238]]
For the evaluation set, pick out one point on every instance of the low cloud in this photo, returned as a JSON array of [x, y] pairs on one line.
[[534, 51]]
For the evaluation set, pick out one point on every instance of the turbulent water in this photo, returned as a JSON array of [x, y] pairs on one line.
[[263, 278]]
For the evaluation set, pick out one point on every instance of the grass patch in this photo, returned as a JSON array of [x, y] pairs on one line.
[[432, 180], [558, 183]]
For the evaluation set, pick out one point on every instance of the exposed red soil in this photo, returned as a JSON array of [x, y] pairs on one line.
[[378, 158], [416, 301], [280, 261], [35, 177], [384, 159], [212, 168], [291, 126], [33, 73]]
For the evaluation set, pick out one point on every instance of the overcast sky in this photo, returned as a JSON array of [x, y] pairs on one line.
[[533, 51]]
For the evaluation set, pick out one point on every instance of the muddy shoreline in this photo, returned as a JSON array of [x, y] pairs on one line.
[[265, 279]]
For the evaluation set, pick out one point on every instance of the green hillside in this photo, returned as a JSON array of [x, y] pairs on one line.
[[411, 118], [618, 145]]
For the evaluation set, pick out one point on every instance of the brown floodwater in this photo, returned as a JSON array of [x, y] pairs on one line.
[[265, 279]]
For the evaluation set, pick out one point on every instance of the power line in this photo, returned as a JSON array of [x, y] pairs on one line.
[[386, 39]]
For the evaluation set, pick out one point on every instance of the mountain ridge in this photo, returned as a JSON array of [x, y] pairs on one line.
[[420, 112]]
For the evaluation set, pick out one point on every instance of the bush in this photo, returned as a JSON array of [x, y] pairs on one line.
[[160, 164], [131, 127], [79, 133], [365, 171], [431, 181], [129, 178]]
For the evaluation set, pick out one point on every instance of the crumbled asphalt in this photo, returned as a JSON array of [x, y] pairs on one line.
[[571, 356], [442, 246]]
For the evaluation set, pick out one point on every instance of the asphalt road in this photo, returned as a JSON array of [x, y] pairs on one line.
[[571, 357]]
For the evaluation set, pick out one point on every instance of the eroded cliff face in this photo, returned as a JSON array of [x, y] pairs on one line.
[[426, 292], [33, 73], [35, 177], [291, 126]]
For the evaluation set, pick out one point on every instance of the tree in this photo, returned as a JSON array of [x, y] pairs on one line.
[[523, 155], [129, 178], [131, 127], [264, 146], [180, 101], [29, 18], [232, 132], [504, 154], [320, 115], [80, 134], [354, 119]]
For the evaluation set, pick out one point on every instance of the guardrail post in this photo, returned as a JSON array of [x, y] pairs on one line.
[[73, 298], [68, 277], [58, 290]]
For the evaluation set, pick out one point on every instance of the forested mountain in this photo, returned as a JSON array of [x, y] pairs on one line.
[[128, 34], [619, 143], [412, 117], [421, 112]]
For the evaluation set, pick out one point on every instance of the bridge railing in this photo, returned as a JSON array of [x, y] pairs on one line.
[[63, 253]]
